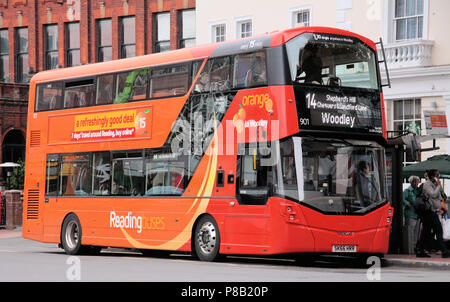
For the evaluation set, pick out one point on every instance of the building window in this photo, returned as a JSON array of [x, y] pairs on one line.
[[127, 37], [187, 35], [22, 55], [51, 46], [407, 117], [244, 28], [162, 32], [73, 44], [409, 16], [104, 40], [301, 18], [218, 32], [4, 56]]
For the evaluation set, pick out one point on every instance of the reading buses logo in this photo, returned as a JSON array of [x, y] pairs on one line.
[[137, 223]]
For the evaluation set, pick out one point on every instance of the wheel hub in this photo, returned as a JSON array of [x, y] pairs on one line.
[[72, 235], [206, 238]]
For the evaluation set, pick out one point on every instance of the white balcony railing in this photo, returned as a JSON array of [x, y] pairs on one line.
[[415, 53]]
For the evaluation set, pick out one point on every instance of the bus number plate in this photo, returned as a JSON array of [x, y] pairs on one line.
[[344, 248]]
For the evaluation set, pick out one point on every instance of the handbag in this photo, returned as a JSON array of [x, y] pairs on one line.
[[422, 206], [445, 221]]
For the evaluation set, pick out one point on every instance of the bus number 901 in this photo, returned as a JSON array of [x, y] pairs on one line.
[[304, 121]]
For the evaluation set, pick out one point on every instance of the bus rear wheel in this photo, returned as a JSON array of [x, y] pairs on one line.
[[207, 239], [71, 237]]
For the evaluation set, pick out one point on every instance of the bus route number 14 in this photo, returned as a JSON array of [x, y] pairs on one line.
[[311, 100]]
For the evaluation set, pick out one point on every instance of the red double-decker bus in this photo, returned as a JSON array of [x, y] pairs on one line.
[[268, 145]]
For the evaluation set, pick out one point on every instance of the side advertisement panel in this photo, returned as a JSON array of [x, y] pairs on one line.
[[102, 125]]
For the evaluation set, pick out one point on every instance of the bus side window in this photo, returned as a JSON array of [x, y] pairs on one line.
[[51, 184], [75, 175], [165, 174], [49, 96], [102, 173], [242, 65], [169, 81], [196, 65], [220, 74], [250, 70], [131, 86], [105, 89], [259, 72], [79, 93], [127, 174], [203, 81]]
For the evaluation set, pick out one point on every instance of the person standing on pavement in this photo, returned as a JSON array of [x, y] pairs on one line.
[[432, 190], [411, 218]]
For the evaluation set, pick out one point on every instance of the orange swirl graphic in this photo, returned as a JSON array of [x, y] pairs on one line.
[[206, 189]]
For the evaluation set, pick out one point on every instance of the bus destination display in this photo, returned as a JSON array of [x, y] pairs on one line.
[[360, 112]]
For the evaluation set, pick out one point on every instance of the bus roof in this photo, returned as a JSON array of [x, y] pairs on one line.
[[272, 39]]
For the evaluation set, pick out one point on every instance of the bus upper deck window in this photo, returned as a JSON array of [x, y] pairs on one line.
[[49, 96], [250, 70], [332, 60], [131, 86], [105, 89], [169, 81], [79, 93], [220, 74], [310, 64]]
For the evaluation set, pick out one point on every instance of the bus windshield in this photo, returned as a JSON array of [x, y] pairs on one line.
[[332, 60], [332, 176]]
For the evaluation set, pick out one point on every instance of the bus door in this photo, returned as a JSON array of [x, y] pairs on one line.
[[247, 220]]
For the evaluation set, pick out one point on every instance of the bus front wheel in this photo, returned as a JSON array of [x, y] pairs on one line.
[[207, 239]]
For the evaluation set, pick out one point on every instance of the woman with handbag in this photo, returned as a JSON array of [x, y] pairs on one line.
[[430, 220]]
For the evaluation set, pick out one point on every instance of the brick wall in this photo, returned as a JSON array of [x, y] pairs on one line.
[[13, 209], [35, 14]]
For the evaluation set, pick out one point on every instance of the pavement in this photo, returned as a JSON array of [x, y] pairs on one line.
[[436, 261], [8, 233]]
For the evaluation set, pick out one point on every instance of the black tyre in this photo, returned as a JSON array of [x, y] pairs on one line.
[[71, 235], [305, 259], [206, 239]]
